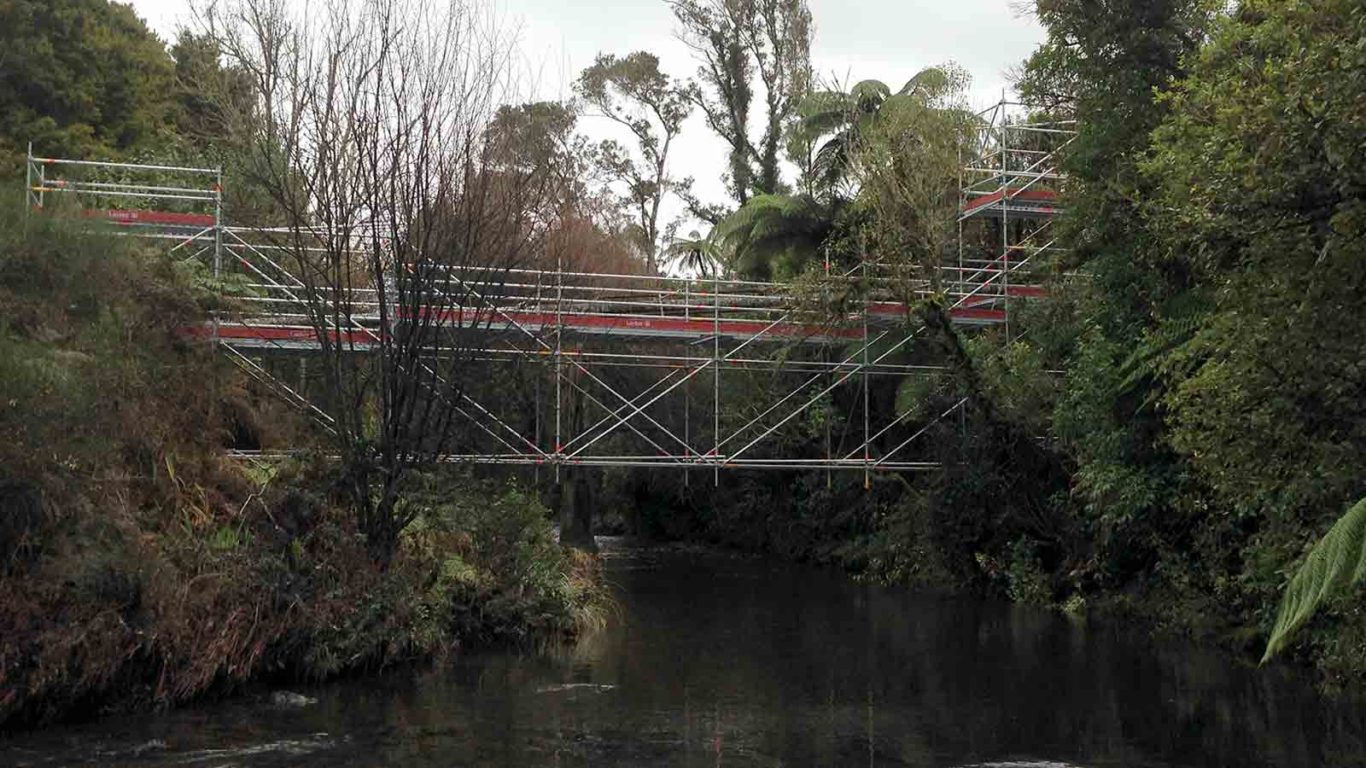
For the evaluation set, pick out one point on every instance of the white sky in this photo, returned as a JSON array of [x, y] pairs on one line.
[[888, 40]]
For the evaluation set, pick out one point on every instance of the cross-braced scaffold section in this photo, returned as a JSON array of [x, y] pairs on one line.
[[583, 368], [1010, 185]]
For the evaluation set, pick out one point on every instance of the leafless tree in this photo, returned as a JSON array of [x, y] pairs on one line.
[[372, 135]]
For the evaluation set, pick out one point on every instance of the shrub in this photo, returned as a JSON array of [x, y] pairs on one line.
[[142, 568]]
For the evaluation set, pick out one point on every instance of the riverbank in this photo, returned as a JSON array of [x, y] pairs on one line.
[[139, 568], [910, 534], [750, 661]]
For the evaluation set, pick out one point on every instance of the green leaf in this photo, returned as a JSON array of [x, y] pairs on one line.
[[926, 82], [870, 93], [1334, 565], [913, 393]]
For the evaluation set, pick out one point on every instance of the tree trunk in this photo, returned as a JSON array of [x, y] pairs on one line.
[[576, 491], [576, 509]]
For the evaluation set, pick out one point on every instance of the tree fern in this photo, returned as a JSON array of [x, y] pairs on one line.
[[695, 254], [1333, 566], [1181, 320], [845, 117], [928, 83], [774, 235]]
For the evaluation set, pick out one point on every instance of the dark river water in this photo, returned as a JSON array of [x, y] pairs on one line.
[[716, 660]]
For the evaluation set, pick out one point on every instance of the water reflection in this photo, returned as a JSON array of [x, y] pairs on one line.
[[719, 660]]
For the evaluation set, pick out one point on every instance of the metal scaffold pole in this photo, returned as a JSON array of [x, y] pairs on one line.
[[1005, 219], [540, 374], [961, 285], [867, 476], [825, 358], [217, 242], [687, 391], [29, 198], [829, 475], [218, 224], [559, 362], [28, 182], [716, 377]]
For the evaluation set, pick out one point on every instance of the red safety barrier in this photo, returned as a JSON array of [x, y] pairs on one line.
[[152, 218], [667, 327]]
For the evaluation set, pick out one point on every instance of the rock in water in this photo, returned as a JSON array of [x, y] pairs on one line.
[[291, 699], [589, 687], [149, 746]]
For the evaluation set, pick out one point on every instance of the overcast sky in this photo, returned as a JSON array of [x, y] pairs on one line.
[[888, 40]]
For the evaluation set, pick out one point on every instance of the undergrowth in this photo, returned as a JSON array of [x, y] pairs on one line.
[[141, 568]]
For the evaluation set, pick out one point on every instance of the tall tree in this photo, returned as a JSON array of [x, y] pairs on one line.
[[632, 92], [539, 138], [402, 216], [205, 92], [833, 120], [80, 78], [1104, 63], [736, 41]]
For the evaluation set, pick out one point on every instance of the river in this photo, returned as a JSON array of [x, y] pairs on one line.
[[720, 660]]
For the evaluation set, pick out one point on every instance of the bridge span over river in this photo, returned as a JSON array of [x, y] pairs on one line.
[[627, 370]]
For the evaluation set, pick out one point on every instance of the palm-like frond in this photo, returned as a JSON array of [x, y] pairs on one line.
[[832, 159], [844, 117], [695, 253], [822, 112], [868, 94], [926, 84], [1335, 564], [1184, 315], [774, 235]]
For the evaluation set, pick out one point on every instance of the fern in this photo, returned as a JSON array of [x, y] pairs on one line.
[[926, 83], [1183, 319], [774, 235], [695, 253], [915, 393], [1335, 564]]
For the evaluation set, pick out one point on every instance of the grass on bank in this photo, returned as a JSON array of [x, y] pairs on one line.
[[139, 567]]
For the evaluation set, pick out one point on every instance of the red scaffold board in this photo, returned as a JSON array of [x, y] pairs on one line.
[[1043, 197]]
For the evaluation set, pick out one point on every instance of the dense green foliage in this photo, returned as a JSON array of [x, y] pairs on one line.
[[79, 76], [142, 567], [1262, 202], [1213, 397], [1175, 425]]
